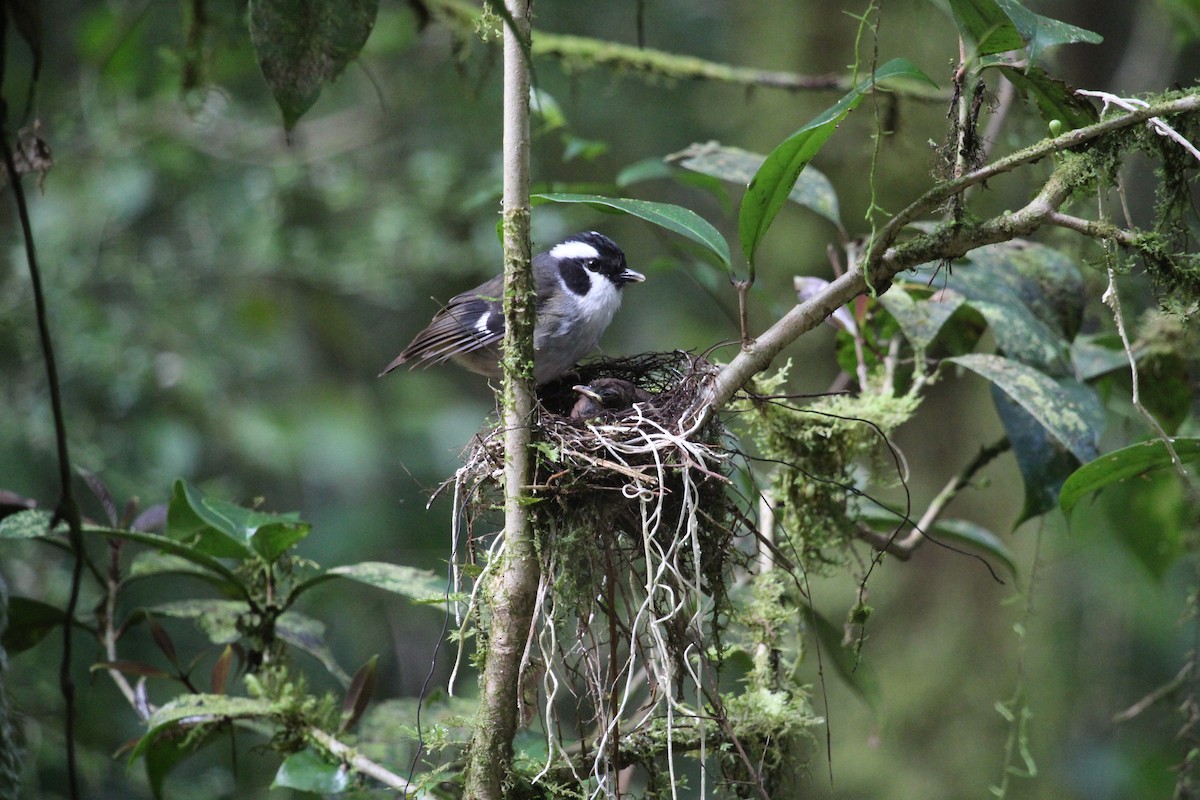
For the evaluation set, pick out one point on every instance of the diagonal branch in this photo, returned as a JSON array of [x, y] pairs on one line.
[[884, 259]]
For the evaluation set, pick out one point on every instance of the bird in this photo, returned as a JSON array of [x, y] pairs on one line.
[[578, 285], [606, 394]]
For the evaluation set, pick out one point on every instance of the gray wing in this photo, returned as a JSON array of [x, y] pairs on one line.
[[470, 321]]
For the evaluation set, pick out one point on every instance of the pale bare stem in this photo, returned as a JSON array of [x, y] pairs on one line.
[[360, 763], [903, 547], [109, 636], [1112, 299], [1155, 123], [890, 363], [1005, 96]]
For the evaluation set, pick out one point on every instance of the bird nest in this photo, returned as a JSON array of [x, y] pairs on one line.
[[635, 525]]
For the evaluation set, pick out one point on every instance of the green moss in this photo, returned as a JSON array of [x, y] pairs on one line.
[[817, 449]]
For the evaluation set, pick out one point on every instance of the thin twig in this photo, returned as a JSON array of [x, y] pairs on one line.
[[68, 508], [360, 763], [903, 548]]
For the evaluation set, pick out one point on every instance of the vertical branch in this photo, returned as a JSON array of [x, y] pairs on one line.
[[513, 591], [68, 509]]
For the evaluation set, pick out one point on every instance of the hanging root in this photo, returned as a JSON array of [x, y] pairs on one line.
[[636, 532]]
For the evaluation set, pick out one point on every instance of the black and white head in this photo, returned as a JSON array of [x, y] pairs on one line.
[[578, 284]]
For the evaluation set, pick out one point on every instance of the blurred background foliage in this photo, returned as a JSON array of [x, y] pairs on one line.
[[222, 299]]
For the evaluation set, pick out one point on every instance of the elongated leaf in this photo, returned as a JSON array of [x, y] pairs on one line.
[[857, 675], [32, 523], [674, 218], [306, 771], [218, 619], [656, 168], [977, 537], [1064, 417], [196, 709], [772, 183], [1054, 98], [226, 577], [419, 584], [303, 44], [1048, 282], [358, 696], [167, 749], [1093, 356], [984, 23], [1119, 465], [1041, 32], [920, 320], [1043, 461], [1151, 517], [812, 189], [142, 670], [29, 621], [219, 678], [308, 635], [221, 528]]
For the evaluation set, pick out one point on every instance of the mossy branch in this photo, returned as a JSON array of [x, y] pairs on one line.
[[884, 258], [583, 52], [512, 590]]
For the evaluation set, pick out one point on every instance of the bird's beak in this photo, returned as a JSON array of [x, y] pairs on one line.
[[586, 392], [631, 276]]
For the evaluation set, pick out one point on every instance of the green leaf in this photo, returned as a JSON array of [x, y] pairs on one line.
[[1128, 462], [232, 582], [857, 675], [920, 320], [303, 44], [218, 619], [167, 749], [151, 564], [978, 538], [220, 528], [308, 635], [1041, 32], [1151, 517], [1054, 98], [358, 696], [984, 23], [29, 621], [1093, 356], [772, 183], [190, 710], [812, 189], [32, 523], [1048, 282], [306, 771], [654, 168], [418, 584], [1055, 409], [674, 218]]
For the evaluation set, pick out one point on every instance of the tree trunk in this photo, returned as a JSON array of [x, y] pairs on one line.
[[510, 596]]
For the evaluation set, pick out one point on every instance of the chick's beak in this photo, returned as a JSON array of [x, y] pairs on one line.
[[586, 392], [631, 276]]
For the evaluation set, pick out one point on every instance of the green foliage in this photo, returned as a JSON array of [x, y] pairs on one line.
[[221, 303], [304, 44], [674, 218], [772, 183]]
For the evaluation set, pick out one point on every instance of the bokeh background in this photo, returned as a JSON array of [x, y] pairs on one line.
[[222, 300]]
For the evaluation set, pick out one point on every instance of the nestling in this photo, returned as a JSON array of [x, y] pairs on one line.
[[578, 284], [607, 394]]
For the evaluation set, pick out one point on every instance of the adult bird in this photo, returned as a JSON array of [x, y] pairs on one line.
[[578, 285]]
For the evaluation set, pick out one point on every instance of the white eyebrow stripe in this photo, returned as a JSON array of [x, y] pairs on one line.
[[574, 250]]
